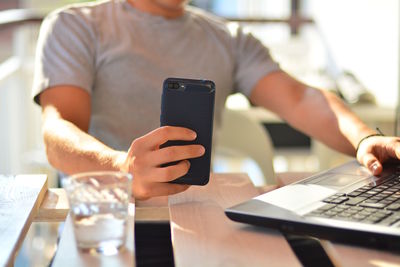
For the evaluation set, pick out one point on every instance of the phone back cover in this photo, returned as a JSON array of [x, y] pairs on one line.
[[193, 109]]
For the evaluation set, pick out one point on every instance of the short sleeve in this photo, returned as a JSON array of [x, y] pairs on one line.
[[252, 61], [65, 53]]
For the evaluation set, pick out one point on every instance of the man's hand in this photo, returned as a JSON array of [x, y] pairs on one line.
[[66, 117], [145, 158], [375, 150]]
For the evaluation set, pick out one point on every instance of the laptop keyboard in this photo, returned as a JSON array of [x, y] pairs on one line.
[[372, 204]]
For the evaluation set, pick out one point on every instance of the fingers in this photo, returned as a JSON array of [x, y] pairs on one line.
[[175, 153], [165, 174], [395, 152], [157, 189], [170, 173], [154, 139], [145, 159], [372, 163], [148, 165], [154, 182]]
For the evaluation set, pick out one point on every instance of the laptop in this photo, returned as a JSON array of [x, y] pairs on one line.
[[345, 204]]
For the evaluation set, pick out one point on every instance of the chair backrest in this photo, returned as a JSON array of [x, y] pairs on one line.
[[245, 135]]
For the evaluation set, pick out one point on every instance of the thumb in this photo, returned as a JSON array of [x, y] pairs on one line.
[[372, 163]]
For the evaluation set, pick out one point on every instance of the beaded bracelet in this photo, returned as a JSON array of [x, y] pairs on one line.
[[368, 136]]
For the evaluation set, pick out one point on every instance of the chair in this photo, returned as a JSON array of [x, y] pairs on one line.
[[242, 136]]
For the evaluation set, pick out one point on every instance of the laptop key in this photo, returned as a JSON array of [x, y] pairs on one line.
[[371, 201], [367, 187], [394, 206], [391, 198], [352, 211], [335, 200], [355, 193], [380, 215], [370, 220], [373, 205], [384, 212], [339, 194], [330, 213], [366, 195], [327, 207], [358, 217], [337, 209], [344, 215], [388, 221], [355, 201], [386, 201], [329, 199], [357, 208], [387, 192], [365, 212], [342, 199], [342, 206]]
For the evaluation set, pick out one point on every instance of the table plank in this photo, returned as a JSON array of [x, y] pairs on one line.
[[203, 236], [54, 207], [68, 254], [152, 210], [353, 256], [20, 197]]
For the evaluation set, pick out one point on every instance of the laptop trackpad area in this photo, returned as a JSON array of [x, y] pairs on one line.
[[296, 196], [335, 180]]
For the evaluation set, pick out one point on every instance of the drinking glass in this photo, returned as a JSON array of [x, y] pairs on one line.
[[99, 209]]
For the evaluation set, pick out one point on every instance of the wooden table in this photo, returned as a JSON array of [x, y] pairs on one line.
[[20, 198], [68, 254], [201, 233], [203, 236], [353, 256]]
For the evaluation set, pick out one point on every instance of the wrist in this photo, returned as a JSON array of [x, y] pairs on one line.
[[119, 161], [378, 133]]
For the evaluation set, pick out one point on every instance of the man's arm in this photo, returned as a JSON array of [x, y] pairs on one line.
[[323, 116], [66, 116], [69, 148]]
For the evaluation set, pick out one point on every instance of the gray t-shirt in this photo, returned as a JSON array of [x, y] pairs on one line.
[[121, 56]]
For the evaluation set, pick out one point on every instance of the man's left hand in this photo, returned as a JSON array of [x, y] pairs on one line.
[[375, 150]]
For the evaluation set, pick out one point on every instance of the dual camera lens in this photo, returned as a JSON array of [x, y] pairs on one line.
[[173, 85]]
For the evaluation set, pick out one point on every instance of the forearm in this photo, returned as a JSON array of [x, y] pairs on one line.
[[71, 150], [325, 117]]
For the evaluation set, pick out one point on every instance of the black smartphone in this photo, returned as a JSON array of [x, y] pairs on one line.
[[190, 103]]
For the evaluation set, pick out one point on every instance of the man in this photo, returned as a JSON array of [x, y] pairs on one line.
[[98, 78]]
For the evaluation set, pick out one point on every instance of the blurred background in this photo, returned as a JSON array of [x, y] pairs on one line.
[[350, 47]]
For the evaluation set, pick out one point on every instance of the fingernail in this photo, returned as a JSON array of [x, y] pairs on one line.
[[374, 168], [194, 135], [202, 150]]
